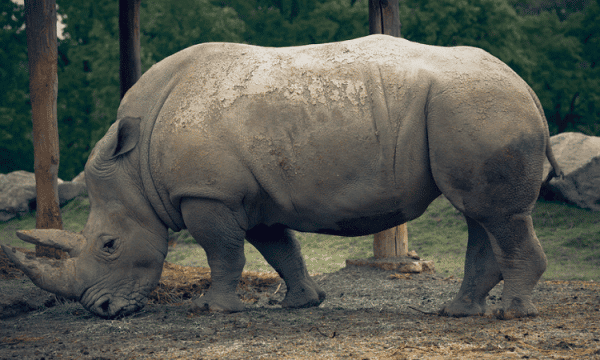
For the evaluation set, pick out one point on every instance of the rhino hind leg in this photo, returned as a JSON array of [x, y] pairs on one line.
[[500, 248], [215, 228], [495, 184], [280, 248], [521, 260], [482, 273]]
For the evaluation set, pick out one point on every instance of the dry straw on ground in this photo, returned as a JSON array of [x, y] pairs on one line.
[[179, 283]]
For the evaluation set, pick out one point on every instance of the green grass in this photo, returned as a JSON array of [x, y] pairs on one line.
[[570, 237]]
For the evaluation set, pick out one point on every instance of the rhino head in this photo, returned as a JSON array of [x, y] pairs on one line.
[[116, 261]]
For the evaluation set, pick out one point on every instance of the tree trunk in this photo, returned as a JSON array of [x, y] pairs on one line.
[[384, 18], [129, 41], [40, 22], [391, 242]]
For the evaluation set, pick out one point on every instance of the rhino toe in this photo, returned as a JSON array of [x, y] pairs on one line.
[[461, 309], [518, 308], [308, 295], [217, 303]]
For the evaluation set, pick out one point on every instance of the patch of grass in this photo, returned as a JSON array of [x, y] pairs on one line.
[[570, 237]]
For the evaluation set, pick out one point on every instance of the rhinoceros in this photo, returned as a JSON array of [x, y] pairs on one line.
[[235, 142]]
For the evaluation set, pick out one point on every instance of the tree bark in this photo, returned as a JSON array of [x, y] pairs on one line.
[[129, 43], [40, 22], [384, 18]]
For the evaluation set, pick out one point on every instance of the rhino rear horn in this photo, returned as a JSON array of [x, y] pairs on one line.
[[56, 276], [67, 241]]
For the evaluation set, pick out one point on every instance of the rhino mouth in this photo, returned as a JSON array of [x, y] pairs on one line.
[[113, 307], [110, 306]]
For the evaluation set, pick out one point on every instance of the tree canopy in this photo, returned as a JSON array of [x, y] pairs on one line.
[[553, 44], [16, 140]]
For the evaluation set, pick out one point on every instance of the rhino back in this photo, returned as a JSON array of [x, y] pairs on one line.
[[313, 137]]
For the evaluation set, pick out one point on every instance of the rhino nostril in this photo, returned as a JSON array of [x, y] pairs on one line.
[[105, 305]]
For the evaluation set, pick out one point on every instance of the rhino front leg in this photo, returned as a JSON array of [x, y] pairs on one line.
[[482, 273], [280, 248], [215, 228]]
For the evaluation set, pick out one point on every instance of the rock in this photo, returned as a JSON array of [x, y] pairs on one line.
[[68, 190], [79, 178], [18, 194], [17, 191], [579, 158]]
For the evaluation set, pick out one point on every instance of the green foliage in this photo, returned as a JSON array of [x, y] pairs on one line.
[[170, 26], [585, 27], [88, 79], [299, 22], [534, 7], [15, 109], [565, 76]]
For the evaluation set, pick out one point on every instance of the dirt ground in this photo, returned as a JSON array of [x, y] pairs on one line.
[[368, 314]]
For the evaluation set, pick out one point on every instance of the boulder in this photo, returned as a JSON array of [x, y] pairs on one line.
[[579, 158], [18, 194], [79, 178], [68, 190]]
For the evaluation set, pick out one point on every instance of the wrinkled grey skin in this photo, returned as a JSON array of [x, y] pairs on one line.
[[235, 141]]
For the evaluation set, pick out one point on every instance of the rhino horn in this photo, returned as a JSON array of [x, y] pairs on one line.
[[56, 276], [67, 241]]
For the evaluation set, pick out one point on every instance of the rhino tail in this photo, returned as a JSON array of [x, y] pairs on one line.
[[556, 170]]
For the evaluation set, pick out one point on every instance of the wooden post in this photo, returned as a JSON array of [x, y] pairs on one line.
[[40, 25], [129, 43], [384, 18], [391, 242]]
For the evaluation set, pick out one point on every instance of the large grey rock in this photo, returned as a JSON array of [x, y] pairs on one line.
[[17, 191], [18, 194], [79, 178], [579, 158]]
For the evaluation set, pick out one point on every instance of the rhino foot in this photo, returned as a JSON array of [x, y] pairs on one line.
[[308, 295], [517, 308], [457, 308], [216, 302]]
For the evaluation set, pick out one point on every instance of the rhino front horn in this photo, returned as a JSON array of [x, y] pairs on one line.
[[56, 276], [67, 241]]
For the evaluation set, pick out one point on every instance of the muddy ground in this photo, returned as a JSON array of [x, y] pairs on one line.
[[368, 314]]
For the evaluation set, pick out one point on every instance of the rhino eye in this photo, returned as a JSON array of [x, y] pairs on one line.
[[110, 246]]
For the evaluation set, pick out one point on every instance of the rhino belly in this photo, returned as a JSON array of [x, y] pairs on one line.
[[353, 211]]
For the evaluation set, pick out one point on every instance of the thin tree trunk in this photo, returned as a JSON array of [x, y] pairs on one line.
[[384, 17], [129, 41], [40, 22]]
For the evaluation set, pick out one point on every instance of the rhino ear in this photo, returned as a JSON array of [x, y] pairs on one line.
[[128, 134]]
